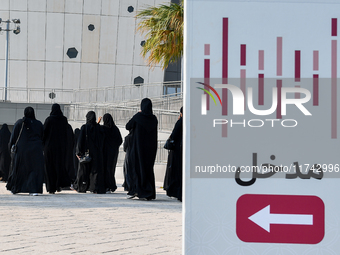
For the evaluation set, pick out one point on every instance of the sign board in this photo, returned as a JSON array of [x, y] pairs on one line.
[[261, 111]]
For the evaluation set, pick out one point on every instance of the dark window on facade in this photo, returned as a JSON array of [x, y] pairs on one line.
[[172, 78], [72, 52], [91, 27], [138, 81], [52, 95], [130, 9]]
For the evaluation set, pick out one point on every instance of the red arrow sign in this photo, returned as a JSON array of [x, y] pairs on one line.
[[280, 219]]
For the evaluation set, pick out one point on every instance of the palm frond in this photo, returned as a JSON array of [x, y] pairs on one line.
[[163, 28]]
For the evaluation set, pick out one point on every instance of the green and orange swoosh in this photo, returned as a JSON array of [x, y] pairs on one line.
[[209, 93]]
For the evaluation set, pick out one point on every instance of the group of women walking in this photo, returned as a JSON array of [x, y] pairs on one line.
[[46, 153], [52, 152], [102, 144]]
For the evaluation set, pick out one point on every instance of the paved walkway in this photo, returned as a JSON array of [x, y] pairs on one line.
[[74, 223]]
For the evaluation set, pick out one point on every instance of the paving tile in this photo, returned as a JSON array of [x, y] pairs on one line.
[[74, 223]]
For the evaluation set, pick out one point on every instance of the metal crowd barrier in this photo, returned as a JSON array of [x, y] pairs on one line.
[[115, 94], [120, 114]]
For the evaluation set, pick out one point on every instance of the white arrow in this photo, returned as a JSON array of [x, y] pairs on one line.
[[264, 218]]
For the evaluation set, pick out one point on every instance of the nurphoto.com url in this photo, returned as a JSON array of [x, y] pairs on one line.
[[269, 168]]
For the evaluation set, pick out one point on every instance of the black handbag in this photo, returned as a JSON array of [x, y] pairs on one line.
[[169, 144], [14, 147], [86, 158]]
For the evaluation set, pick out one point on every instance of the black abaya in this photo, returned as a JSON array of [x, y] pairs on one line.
[[57, 150], [173, 176], [5, 157], [113, 140], [143, 151], [27, 169], [128, 162], [91, 175], [70, 154], [75, 159]]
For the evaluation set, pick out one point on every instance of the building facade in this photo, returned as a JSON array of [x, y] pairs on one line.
[[74, 44]]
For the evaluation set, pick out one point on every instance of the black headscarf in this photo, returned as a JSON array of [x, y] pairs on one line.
[[181, 110], [76, 133], [108, 120], [146, 106], [91, 118], [56, 110], [94, 129], [4, 127], [4, 132], [29, 113], [4, 135]]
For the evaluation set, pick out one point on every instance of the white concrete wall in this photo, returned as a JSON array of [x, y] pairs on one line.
[[11, 112], [107, 56]]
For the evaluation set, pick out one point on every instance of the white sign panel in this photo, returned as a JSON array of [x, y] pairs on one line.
[[261, 127]]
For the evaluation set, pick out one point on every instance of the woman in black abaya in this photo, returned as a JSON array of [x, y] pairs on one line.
[[143, 151], [128, 162], [70, 155], [75, 158], [5, 157], [58, 143], [91, 175], [27, 169], [113, 140], [173, 176]]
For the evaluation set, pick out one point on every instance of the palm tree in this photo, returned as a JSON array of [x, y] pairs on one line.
[[163, 26]]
